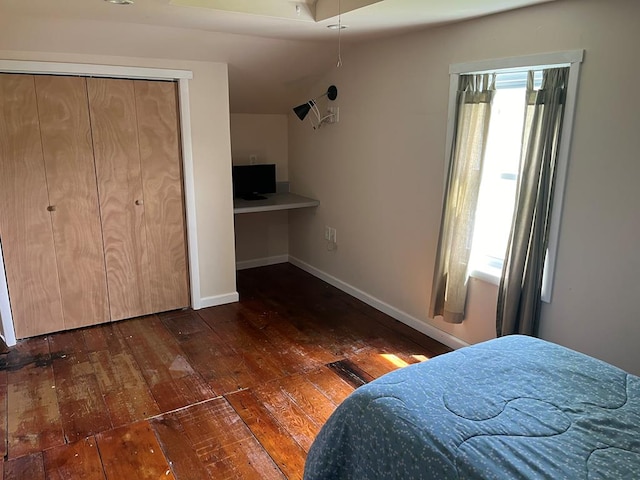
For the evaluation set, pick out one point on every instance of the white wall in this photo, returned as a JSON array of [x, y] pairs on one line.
[[261, 238], [379, 173], [263, 135]]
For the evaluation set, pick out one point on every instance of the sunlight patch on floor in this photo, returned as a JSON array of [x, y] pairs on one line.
[[420, 358], [394, 360]]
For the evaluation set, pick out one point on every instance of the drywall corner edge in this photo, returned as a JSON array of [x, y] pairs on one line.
[[8, 331]]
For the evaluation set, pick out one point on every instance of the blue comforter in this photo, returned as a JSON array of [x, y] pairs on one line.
[[511, 408]]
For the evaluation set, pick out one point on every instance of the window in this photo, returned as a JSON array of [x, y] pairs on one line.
[[500, 170], [499, 175]]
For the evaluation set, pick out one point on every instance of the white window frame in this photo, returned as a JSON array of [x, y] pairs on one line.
[[571, 59]]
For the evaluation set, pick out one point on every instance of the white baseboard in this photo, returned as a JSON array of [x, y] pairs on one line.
[[218, 300], [429, 330], [262, 262]]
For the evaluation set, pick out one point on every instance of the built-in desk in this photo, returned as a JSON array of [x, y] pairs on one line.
[[274, 201]]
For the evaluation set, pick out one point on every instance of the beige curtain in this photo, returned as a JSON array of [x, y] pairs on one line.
[[449, 292], [521, 283]]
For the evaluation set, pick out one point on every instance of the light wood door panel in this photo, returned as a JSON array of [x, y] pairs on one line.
[[25, 223], [117, 160], [68, 157], [156, 105]]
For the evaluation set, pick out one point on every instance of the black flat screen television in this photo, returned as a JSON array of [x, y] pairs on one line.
[[251, 182]]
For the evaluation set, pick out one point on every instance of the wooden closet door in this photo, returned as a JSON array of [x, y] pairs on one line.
[[158, 127], [117, 160], [25, 223], [68, 157]]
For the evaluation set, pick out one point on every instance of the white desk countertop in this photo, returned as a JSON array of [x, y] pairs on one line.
[[274, 201]]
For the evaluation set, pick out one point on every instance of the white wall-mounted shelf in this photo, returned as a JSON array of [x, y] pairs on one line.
[[274, 201]]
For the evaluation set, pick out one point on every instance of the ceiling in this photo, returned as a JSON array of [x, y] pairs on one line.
[[284, 19], [274, 49]]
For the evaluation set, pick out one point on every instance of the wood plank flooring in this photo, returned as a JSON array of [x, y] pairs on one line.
[[232, 392]]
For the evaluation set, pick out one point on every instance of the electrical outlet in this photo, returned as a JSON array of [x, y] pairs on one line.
[[330, 235], [253, 159]]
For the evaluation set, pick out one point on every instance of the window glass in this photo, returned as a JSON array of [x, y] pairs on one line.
[[500, 173]]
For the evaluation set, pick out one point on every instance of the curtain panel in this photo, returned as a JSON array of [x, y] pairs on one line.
[[518, 308], [473, 111]]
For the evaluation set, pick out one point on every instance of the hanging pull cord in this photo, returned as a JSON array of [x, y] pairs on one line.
[[339, 64]]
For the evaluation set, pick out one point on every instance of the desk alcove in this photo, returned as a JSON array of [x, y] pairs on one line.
[[261, 228]]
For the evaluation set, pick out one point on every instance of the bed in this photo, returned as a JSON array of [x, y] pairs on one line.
[[511, 408]]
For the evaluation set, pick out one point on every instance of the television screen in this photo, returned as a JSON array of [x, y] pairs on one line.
[[251, 181]]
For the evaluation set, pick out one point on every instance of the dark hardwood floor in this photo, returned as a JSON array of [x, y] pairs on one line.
[[236, 391]]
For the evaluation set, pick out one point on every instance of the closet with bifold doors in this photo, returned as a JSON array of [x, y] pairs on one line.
[[91, 204]]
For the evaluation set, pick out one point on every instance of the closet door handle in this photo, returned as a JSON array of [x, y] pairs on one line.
[[51, 208], [139, 202]]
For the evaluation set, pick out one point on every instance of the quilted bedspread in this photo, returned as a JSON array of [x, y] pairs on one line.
[[510, 408]]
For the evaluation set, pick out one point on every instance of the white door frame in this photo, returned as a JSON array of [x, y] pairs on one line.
[[182, 77]]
